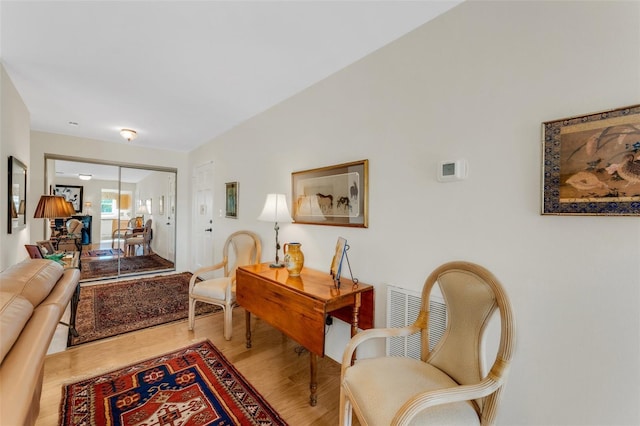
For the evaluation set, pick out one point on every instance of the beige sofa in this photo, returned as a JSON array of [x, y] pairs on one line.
[[33, 297]]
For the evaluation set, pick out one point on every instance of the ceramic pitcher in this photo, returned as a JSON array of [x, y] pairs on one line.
[[293, 258]]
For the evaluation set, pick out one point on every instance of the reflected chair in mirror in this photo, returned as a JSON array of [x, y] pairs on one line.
[[34, 251], [119, 235], [240, 249], [132, 242], [450, 384], [72, 240]]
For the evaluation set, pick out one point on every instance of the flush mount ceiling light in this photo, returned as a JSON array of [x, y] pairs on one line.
[[83, 176], [128, 134]]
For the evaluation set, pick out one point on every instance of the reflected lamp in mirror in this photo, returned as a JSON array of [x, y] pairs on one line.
[[140, 212], [275, 210], [16, 195]]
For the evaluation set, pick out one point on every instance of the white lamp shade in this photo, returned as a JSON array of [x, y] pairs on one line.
[[275, 209], [142, 209]]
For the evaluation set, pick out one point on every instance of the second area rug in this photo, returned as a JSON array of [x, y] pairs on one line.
[[100, 268], [195, 385], [106, 310]]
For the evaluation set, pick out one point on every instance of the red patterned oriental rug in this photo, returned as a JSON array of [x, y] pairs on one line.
[[106, 310], [196, 385]]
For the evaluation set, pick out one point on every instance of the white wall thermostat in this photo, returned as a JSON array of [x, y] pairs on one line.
[[449, 171]]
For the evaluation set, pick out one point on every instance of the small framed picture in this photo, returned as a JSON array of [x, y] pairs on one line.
[[336, 263], [231, 203]]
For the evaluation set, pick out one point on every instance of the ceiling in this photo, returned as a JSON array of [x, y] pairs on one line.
[[178, 72]]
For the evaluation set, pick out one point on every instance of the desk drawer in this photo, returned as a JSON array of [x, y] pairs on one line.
[[296, 315]]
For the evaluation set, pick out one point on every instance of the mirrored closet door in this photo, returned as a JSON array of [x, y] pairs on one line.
[[127, 214]]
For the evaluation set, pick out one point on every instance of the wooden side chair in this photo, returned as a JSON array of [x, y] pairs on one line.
[[449, 384], [131, 242], [241, 248]]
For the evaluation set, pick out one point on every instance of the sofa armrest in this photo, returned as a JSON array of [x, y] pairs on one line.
[[22, 369], [63, 291]]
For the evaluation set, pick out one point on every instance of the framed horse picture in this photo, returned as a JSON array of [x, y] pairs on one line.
[[334, 195]]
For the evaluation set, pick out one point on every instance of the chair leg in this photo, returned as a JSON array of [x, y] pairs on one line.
[[228, 321], [345, 410], [192, 313]]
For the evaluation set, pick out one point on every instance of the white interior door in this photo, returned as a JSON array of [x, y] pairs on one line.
[[203, 215]]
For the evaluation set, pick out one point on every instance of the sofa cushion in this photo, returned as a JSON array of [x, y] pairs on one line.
[[15, 311], [33, 279]]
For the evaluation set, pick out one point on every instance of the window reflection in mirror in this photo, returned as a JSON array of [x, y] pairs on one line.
[[17, 192]]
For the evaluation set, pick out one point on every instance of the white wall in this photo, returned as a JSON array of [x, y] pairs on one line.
[[153, 187], [128, 153], [475, 83], [14, 140]]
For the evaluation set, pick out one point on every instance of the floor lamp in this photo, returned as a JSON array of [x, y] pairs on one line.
[[275, 210]]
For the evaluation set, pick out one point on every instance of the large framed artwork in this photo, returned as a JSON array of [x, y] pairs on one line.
[[71, 193], [335, 195], [591, 164]]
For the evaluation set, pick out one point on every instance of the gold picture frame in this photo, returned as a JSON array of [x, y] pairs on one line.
[[335, 195], [591, 164]]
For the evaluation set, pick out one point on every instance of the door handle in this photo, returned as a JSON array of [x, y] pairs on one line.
[[208, 230]]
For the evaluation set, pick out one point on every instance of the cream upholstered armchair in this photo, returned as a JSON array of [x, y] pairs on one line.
[[71, 240], [450, 384], [241, 248]]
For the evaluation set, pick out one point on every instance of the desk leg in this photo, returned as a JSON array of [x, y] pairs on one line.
[[356, 314], [313, 383], [248, 330]]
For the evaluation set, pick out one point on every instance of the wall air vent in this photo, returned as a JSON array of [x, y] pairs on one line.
[[403, 307]]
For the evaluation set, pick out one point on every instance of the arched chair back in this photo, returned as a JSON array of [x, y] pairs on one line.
[[241, 248], [450, 384]]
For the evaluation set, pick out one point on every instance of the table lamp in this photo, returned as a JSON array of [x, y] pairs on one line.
[[71, 210], [275, 210], [52, 206], [140, 212]]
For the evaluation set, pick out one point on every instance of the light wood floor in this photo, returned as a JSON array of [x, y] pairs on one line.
[[272, 366]]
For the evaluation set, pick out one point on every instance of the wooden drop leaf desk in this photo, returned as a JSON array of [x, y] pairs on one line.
[[298, 306]]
